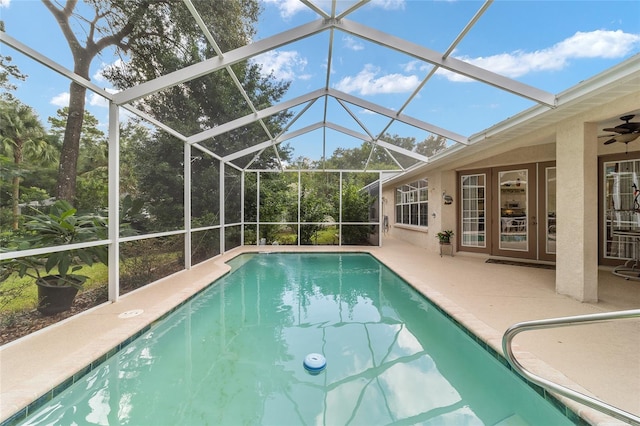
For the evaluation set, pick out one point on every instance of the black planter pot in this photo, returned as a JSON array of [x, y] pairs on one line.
[[53, 299]]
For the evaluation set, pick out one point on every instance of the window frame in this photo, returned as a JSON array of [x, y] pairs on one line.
[[412, 203]]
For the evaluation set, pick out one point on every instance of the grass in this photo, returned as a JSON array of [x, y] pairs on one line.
[[327, 236], [19, 294], [323, 237]]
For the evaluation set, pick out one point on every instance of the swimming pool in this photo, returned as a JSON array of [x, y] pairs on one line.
[[234, 355]]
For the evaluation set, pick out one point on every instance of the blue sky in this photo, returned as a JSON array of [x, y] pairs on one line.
[[551, 45]]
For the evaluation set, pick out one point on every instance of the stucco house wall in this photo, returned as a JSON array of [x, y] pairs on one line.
[[574, 145]]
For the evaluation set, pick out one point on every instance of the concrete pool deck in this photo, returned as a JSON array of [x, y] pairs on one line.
[[597, 359]]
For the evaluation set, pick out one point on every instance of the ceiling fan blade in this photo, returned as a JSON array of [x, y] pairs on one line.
[[626, 127], [632, 127], [618, 129], [610, 141]]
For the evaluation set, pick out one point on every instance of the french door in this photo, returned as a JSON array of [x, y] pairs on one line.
[[509, 211], [515, 222]]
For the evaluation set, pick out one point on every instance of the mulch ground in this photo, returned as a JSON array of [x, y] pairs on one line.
[[14, 326]]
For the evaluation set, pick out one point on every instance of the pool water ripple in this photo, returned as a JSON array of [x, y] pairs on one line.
[[234, 355]]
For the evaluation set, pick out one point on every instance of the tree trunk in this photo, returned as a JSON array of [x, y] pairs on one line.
[[67, 171], [17, 159]]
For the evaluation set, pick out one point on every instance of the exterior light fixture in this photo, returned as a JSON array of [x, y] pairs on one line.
[[448, 199]]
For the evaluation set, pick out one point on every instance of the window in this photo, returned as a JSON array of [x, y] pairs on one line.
[[621, 181], [412, 203], [473, 210]]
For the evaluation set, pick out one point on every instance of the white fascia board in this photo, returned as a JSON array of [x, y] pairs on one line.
[[451, 64], [44, 60], [400, 117], [213, 64], [250, 118], [616, 75], [612, 76]]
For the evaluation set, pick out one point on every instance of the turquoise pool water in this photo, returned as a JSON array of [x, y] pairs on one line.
[[234, 355]]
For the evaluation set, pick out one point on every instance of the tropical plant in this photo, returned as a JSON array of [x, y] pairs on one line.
[[61, 226], [22, 137], [444, 236]]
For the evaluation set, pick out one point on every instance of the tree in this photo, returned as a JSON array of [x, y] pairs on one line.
[[93, 160], [355, 208], [356, 158], [212, 99], [131, 134], [115, 23], [192, 106], [431, 145], [8, 70], [317, 203], [22, 136]]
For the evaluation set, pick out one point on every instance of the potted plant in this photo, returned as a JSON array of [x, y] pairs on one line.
[[55, 272], [445, 236]]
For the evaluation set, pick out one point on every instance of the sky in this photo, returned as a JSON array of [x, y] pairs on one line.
[[550, 45]]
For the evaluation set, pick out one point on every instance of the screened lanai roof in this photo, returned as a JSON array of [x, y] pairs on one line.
[[369, 71]]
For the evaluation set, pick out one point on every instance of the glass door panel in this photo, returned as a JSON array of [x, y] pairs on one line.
[[473, 210], [514, 208], [514, 224], [550, 193]]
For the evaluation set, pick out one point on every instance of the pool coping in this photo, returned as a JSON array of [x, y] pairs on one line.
[[487, 337]]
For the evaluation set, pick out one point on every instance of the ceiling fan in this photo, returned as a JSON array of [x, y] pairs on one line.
[[626, 132]]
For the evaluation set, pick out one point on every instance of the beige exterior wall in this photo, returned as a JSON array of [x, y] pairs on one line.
[[575, 147], [444, 180]]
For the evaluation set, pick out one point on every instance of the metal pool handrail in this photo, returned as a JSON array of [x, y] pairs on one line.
[[562, 390]]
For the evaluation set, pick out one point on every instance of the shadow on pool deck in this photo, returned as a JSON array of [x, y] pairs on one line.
[[599, 359]]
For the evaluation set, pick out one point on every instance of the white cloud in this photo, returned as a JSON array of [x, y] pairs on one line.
[[98, 76], [352, 44], [61, 100], [288, 8], [367, 82], [594, 44], [285, 65], [598, 44], [389, 4], [5, 3], [97, 100], [416, 66]]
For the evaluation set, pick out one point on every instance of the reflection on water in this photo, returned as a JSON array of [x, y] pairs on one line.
[[234, 356]]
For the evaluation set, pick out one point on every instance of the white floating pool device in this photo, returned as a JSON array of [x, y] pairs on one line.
[[314, 363]]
